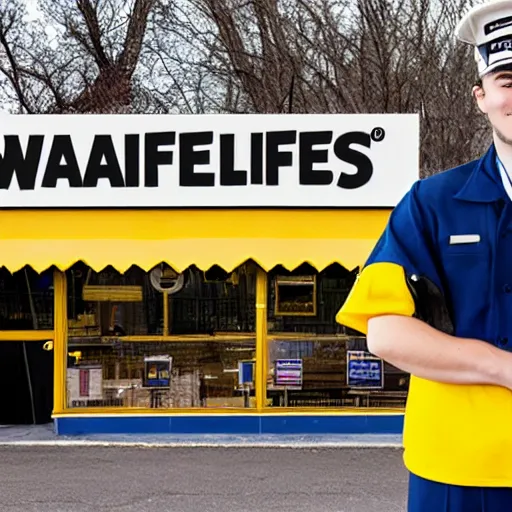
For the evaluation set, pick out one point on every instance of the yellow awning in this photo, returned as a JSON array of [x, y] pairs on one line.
[[42, 239]]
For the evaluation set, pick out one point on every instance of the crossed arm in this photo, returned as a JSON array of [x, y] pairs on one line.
[[417, 348]]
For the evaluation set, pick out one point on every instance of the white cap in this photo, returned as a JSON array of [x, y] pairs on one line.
[[488, 27]]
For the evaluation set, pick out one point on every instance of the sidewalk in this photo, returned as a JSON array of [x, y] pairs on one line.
[[43, 435]]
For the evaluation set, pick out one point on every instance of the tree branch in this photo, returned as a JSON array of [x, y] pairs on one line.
[[90, 16], [135, 35], [13, 76]]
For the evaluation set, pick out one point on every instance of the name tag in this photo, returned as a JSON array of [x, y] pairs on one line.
[[464, 239]]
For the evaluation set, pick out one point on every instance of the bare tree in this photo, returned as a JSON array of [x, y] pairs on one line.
[[410, 62], [89, 65], [243, 56], [330, 56]]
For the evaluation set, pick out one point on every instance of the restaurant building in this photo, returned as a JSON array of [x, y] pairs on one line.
[[182, 274]]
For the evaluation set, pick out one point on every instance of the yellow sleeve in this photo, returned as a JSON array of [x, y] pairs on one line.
[[380, 289]]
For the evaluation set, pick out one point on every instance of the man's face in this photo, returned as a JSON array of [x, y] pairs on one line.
[[494, 98]]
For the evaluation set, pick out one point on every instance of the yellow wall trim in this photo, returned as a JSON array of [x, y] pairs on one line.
[[26, 335]]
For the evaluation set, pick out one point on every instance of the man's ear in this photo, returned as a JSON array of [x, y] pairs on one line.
[[479, 95]]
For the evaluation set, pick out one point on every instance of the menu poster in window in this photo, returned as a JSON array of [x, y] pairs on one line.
[[157, 372], [288, 373], [84, 383], [365, 371]]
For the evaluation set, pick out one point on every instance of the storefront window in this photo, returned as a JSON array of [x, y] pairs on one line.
[[161, 375], [312, 360], [128, 348], [26, 300]]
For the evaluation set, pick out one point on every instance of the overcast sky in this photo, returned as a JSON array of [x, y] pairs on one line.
[[32, 7]]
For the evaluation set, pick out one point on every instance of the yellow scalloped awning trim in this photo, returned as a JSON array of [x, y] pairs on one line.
[[123, 238]]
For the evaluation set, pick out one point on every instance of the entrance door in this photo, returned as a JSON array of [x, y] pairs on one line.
[[26, 369], [26, 383]]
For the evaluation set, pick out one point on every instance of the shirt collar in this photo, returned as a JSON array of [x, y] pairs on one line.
[[484, 184]]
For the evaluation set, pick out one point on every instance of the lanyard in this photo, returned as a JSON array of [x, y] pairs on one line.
[[505, 177]]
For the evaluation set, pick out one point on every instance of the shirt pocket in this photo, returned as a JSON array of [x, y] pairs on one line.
[[467, 273]]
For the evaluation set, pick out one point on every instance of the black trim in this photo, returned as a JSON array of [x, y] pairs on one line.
[[430, 303], [499, 24]]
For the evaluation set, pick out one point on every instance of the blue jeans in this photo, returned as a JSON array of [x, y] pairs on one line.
[[428, 496]]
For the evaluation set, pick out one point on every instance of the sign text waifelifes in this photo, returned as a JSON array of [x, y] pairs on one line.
[[194, 161]]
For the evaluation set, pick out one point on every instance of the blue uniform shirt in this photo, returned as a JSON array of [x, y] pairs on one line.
[[455, 230], [475, 277]]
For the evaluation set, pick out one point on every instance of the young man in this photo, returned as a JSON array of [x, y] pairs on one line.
[[435, 299]]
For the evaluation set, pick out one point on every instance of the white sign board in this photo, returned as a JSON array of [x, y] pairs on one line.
[[204, 161]]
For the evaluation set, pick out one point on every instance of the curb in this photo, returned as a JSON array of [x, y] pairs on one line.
[[237, 445]]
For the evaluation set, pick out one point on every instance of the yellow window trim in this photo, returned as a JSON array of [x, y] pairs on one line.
[[268, 411], [182, 338], [26, 335]]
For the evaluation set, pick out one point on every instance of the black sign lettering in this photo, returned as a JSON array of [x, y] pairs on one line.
[[256, 158], [363, 164], [319, 161], [131, 160], [190, 158], [228, 175], [276, 158], [154, 157], [310, 156], [62, 148], [103, 147], [14, 162]]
